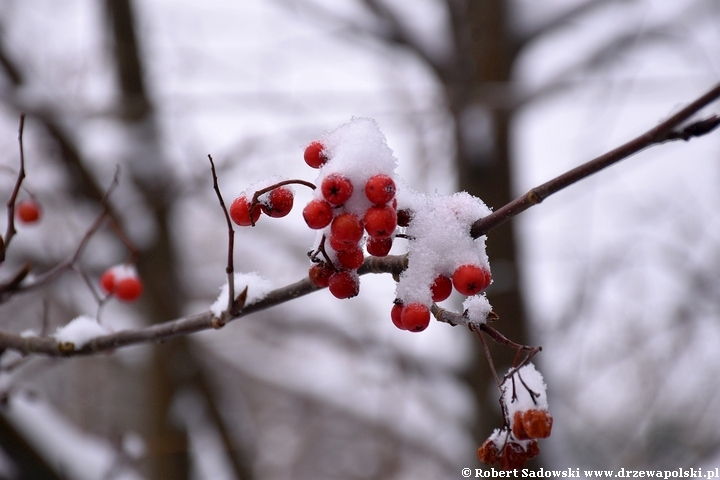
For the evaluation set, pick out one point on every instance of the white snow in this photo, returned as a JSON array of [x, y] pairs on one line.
[[80, 331], [440, 240], [516, 396], [257, 286], [477, 308]]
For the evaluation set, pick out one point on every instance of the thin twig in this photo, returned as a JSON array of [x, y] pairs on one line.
[[10, 232], [230, 268]]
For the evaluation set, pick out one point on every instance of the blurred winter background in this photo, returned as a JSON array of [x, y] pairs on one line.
[[616, 277]]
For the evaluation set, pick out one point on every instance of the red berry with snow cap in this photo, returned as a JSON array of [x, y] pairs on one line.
[[315, 155], [123, 282], [471, 279], [279, 202], [336, 189]]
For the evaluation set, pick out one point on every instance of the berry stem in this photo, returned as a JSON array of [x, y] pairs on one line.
[[294, 181]]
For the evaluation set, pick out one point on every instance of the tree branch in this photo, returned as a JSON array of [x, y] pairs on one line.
[[667, 130]]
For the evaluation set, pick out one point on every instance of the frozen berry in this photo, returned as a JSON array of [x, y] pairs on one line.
[[240, 212], [320, 274], [128, 289], [532, 449], [517, 426], [28, 211], [415, 317], [318, 214], [351, 258], [279, 202], [380, 222], [470, 279], [346, 228], [396, 314], [380, 189], [513, 456], [344, 284], [336, 189], [315, 155], [441, 288], [487, 453], [537, 423], [379, 247]]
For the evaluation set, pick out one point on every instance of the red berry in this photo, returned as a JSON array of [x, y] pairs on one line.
[[380, 189], [344, 284], [379, 247], [532, 449], [346, 228], [517, 426], [415, 317], [537, 423], [318, 214], [488, 453], [380, 222], [320, 274], [315, 155], [128, 289], [240, 212], [513, 456], [336, 188], [107, 281], [441, 288], [28, 211], [279, 202], [395, 315], [471, 279], [351, 258]]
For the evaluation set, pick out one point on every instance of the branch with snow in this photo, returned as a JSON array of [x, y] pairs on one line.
[[673, 128]]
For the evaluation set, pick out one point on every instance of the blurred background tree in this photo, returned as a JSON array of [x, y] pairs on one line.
[[615, 278]]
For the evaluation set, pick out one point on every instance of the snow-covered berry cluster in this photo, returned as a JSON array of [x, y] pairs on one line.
[[441, 255], [355, 205], [359, 206], [524, 402], [123, 282]]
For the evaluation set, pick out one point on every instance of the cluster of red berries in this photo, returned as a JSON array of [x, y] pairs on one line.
[[513, 454], [276, 203], [520, 441], [123, 282], [27, 211], [375, 215], [468, 279]]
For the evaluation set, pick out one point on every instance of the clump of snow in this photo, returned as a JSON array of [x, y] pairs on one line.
[[28, 333], [123, 271], [249, 192], [439, 240], [356, 150], [516, 391], [80, 331], [257, 286], [477, 308]]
